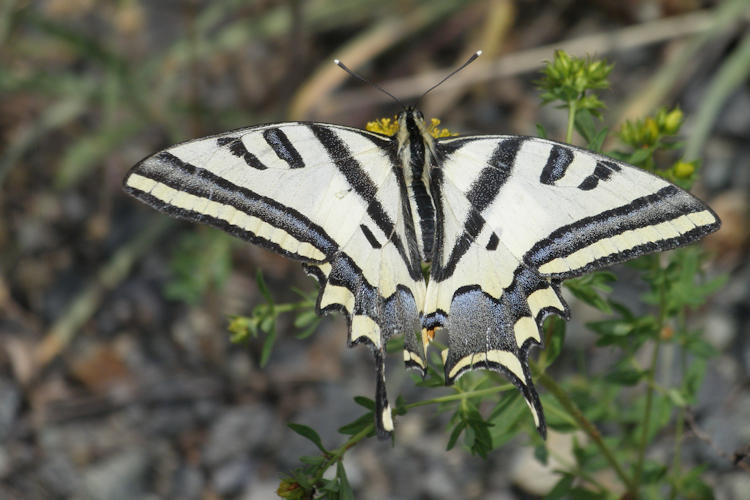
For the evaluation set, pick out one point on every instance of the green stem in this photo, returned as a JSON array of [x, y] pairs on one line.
[[680, 427], [460, 396], [577, 471], [571, 121], [339, 452], [585, 425], [676, 463], [647, 413], [651, 379], [291, 306]]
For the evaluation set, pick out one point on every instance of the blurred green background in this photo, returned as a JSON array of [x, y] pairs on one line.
[[117, 377]]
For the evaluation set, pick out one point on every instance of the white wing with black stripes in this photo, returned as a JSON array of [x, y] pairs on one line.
[[514, 217], [331, 197]]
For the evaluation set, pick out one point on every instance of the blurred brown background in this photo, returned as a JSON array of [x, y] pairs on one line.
[[117, 377]]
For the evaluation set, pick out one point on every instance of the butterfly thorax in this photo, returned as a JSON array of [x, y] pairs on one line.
[[416, 152]]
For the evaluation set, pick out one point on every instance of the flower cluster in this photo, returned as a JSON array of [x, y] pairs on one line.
[[568, 79], [389, 126], [649, 131]]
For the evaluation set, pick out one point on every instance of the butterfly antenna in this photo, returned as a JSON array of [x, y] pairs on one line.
[[373, 84], [471, 60]]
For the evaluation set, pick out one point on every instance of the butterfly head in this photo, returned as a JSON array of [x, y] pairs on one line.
[[411, 126]]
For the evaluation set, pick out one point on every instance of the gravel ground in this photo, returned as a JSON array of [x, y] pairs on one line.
[[149, 399]]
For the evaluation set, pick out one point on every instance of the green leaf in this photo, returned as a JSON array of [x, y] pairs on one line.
[[554, 337], [589, 288], [395, 344], [695, 344], [309, 433], [693, 378], [540, 131], [541, 453], [557, 417], [345, 489], [625, 376], [639, 156], [585, 125], [691, 485], [653, 472], [676, 397], [562, 488], [365, 402], [358, 425], [262, 287], [457, 430], [315, 461], [478, 436], [307, 331], [595, 144], [305, 318], [268, 343]]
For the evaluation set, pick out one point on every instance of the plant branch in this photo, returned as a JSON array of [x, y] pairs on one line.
[[339, 452], [460, 396], [571, 121], [650, 379], [585, 425]]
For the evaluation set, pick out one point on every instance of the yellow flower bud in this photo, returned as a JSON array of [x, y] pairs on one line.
[[672, 121], [288, 488], [683, 169]]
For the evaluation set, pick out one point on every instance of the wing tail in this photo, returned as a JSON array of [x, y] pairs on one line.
[[372, 319], [497, 333]]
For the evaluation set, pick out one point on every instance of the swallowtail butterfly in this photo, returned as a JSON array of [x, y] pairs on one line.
[[502, 220]]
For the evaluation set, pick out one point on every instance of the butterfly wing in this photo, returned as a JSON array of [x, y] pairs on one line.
[[518, 215], [331, 197]]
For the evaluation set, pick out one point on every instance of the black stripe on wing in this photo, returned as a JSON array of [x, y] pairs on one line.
[[483, 191], [165, 168], [283, 147], [664, 205], [558, 161], [237, 148], [363, 185]]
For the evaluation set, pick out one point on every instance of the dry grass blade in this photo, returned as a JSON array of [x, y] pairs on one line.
[[532, 59], [64, 330], [357, 52]]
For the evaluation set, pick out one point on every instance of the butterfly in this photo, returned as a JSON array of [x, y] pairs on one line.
[[501, 219]]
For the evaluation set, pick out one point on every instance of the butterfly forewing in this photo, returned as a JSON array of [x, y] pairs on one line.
[[328, 196]]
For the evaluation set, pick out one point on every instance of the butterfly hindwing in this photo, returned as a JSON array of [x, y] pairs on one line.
[[517, 215], [329, 196]]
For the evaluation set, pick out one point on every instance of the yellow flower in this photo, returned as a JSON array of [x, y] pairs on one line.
[[438, 132], [389, 126]]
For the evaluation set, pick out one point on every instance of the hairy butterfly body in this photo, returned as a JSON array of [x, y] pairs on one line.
[[501, 219]]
